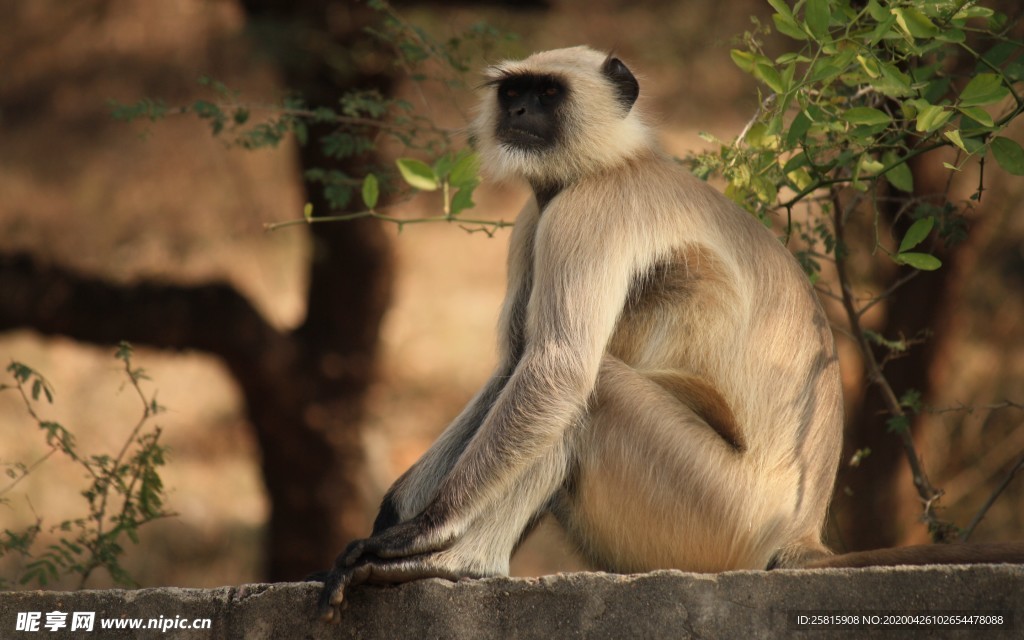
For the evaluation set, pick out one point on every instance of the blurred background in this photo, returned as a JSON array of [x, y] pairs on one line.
[[304, 369]]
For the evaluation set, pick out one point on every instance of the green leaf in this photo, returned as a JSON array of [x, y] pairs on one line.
[[884, 29], [870, 66], [970, 11], [800, 178], [462, 200], [743, 59], [954, 137], [868, 166], [307, 211], [465, 171], [798, 161], [999, 53], [917, 233], [900, 175], [1014, 71], [979, 115], [931, 117], [954, 36], [824, 71], [936, 89], [897, 424], [914, 23], [760, 137], [371, 191], [782, 7], [443, 166], [767, 74], [417, 174], [787, 58], [1009, 155], [798, 129], [866, 116], [983, 89], [911, 399], [894, 83], [786, 25], [324, 114], [788, 73], [818, 15], [920, 261]]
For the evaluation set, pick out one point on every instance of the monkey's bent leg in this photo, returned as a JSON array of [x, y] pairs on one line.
[[657, 487], [482, 550]]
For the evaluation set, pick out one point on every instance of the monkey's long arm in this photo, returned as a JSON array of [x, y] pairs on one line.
[[573, 306], [414, 489], [411, 493]]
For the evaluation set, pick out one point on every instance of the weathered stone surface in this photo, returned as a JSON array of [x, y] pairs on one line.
[[664, 604]]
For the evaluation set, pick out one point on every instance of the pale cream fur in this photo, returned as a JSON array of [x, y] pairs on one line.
[[655, 486], [668, 385], [586, 149]]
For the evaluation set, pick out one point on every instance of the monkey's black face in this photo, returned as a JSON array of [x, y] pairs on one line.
[[529, 111]]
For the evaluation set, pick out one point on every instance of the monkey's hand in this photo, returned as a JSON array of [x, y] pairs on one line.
[[402, 553]]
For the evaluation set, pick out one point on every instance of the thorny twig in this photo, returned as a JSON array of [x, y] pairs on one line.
[[928, 493], [1017, 466]]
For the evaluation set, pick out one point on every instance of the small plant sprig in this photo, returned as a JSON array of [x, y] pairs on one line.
[[359, 122], [454, 175], [124, 490]]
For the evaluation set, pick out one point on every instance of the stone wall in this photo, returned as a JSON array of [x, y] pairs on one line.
[[664, 604]]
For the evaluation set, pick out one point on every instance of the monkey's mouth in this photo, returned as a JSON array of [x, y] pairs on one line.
[[523, 139]]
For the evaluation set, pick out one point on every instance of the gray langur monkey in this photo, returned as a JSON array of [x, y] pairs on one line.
[[667, 385]]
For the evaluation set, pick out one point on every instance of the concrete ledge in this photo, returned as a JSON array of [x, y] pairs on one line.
[[664, 604]]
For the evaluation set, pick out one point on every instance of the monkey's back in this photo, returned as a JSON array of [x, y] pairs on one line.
[[724, 318]]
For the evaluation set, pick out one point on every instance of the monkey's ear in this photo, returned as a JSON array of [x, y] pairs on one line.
[[626, 87]]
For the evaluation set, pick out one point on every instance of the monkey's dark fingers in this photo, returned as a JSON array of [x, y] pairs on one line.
[[336, 580], [352, 553], [406, 539], [332, 594], [382, 572]]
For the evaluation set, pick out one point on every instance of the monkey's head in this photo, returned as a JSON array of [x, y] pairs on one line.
[[558, 116]]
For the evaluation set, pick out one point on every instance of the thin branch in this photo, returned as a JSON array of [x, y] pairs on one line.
[[827, 293], [100, 515], [833, 182], [887, 293], [1017, 466], [27, 470], [967, 408], [401, 222], [761, 108], [35, 418], [353, 121], [927, 492]]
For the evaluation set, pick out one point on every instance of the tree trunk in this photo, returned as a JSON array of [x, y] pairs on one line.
[[304, 390]]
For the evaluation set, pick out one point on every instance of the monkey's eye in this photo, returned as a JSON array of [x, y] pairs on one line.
[[549, 94], [511, 93]]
